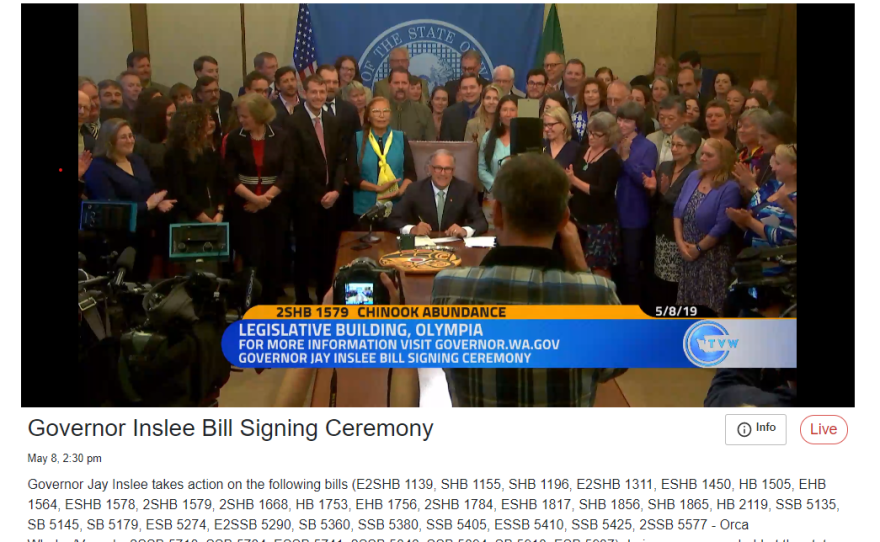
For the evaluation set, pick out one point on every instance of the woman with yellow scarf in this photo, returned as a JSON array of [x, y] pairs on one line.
[[384, 161]]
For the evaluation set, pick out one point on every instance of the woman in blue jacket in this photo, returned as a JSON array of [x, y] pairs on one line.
[[117, 174], [701, 224], [639, 158]]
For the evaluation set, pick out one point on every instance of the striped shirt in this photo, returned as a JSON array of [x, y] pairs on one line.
[[778, 223], [523, 276]]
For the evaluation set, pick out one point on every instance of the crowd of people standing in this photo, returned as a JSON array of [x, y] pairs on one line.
[[670, 174]]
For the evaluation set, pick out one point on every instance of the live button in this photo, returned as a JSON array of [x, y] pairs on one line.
[[824, 429]]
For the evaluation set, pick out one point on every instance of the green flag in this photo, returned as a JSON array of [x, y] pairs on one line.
[[551, 39]]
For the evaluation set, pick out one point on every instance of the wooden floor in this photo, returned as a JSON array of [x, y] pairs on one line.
[[636, 388]]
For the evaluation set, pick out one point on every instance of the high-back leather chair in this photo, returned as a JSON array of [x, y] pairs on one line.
[[465, 153]]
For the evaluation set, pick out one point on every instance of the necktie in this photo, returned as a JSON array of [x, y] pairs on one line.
[[441, 202], [93, 129], [320, 131], [571, 104], [329, 108]]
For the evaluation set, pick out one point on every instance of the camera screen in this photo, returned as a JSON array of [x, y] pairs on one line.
[[359, 293]]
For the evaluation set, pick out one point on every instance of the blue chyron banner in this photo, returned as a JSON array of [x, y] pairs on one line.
[[512, 343], [436, 36]]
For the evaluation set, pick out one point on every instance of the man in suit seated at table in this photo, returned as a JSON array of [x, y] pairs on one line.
[[530, 209], [440, 203]]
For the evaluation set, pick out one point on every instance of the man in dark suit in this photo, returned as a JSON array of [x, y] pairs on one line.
[[267, 64], [574, 75], [86, 141], [689, 83], [257, 83], [704, 76], [470, 65], [768, 87], [345, 112], [207, 65], [139, 61], [288, 94], [319, 160], [440, 203], [208, 93], [455, 117], [110, 94], [347, 116], [93, 123]]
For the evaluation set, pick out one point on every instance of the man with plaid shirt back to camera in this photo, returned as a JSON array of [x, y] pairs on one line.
[[531, 206]]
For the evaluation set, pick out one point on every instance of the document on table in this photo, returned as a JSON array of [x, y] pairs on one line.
[[424, 241], [446, 239], [479, 242]]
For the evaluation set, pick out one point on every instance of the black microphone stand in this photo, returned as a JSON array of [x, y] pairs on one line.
[[370, 237], [367, 240]]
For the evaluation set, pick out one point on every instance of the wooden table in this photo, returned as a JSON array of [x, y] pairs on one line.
[[369, 387]]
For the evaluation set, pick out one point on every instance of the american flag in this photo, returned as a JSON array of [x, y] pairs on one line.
[[305, 57]]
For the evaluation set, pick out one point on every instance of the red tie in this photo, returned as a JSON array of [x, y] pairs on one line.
[[320, 131]]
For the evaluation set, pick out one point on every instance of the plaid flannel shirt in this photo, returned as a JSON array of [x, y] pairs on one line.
[[523, 276]]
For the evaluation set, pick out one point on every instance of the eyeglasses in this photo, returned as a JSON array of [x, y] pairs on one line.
[[535, 84], [548, 65], [344, 69], [678, 145], [379, 112], [551, 124], [441, 169], [596, 134]]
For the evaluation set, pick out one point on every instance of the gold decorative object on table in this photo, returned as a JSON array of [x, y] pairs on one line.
[[421, 260]]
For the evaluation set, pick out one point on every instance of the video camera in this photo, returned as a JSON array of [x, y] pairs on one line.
[[143, 345], [764, 277], [360, 283]]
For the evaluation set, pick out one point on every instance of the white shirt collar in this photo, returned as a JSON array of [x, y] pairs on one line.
[[285, 102], [313, 116], [437, 190]]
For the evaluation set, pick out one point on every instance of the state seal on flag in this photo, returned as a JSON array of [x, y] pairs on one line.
[[435, 48]]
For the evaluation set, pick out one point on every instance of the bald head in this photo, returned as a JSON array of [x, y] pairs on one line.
[[85, 106], [503, 77], [618, 93]]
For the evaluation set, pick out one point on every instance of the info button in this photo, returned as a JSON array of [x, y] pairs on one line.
[[755, 429]]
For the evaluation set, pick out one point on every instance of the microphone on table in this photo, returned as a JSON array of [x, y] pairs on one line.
[[380, 210]]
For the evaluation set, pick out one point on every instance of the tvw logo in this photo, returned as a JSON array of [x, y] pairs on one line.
[[707, 343], [718, 343]]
